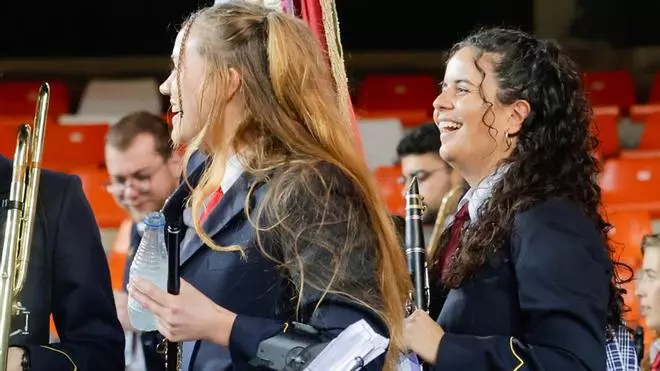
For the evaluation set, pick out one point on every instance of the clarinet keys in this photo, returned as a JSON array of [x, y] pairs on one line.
[[415, 247]]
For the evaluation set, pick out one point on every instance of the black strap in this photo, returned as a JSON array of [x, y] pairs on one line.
[[9, 205]]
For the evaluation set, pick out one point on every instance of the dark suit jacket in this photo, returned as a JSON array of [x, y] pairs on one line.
[[254, 288], [540, 303], [68, 276]]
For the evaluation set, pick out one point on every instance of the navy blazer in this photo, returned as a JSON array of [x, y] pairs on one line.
[[68, 276], [254, 287], [539, 304]]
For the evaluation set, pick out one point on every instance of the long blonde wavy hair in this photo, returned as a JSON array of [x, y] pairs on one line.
[[291, 114]]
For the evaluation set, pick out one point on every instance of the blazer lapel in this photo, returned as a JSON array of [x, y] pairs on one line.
[[231, 204], [175, 204]]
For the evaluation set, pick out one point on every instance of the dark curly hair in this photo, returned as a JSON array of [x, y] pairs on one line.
[[421, 140], [555, 137]]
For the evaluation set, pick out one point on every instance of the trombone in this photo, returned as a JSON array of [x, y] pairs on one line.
[[21, 206], [447, 207]]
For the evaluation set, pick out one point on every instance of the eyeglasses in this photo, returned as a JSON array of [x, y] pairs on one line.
[[140, 181], [421, 175]]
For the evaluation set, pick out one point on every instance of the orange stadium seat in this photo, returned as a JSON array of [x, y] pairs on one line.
[[19, 97], [650, 139], [606, 88], [8, 139], [408, 118], [407, 97], [119, 253], [641, 112], [387, 179], [606, 123], [26, 118], [106, 210], [631, 154], [65, 146], [628, 229], [631, 184], [75, 145]]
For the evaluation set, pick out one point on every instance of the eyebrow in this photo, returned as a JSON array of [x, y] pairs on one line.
[[461, 81], [132, 174], [464, 81]]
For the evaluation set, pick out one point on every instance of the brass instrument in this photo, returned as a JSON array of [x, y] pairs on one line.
[[21, 210], [415, 247], [447, 207]]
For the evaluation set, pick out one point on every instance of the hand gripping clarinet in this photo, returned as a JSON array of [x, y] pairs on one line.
[[172, 350], [415, 248]]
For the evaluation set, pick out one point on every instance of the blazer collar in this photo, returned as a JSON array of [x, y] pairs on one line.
[[231, 204]]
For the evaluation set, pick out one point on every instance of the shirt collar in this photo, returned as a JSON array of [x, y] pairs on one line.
[[233, 171], [476, 196]]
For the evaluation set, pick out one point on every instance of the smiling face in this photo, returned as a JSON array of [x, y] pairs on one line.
[[183, 86], [142, 179], [473, 124]]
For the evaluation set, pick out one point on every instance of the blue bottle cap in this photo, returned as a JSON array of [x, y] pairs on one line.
[[155, 219]]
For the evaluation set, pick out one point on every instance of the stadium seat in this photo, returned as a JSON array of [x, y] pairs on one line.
[[406, 97], [606, 123], [631, 184], [19, 97], [606, 88], [108, 214], [388, 181], [72, 146]]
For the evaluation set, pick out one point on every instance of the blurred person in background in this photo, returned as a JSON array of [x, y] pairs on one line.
[[143, 171], [419, 154], [648, 292]]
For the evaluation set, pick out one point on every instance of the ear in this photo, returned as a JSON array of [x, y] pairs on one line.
[[519, 111], [233, 83]]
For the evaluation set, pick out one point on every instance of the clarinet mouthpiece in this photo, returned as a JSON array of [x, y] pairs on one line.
[[413, 187]]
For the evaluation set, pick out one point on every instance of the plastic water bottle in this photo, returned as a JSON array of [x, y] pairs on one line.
[[150, 263]]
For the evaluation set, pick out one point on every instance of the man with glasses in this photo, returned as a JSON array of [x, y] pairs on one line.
[[419, 154], [143, 172]]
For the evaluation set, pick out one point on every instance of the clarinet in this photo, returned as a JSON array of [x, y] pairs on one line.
[[415, 248], [173, 361]]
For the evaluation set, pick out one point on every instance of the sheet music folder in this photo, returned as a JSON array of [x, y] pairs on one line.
[[354, 348]]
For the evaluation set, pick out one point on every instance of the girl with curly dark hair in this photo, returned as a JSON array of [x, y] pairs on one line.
[[526, 258]]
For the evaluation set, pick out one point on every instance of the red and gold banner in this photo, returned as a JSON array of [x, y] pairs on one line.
[[326, 29]]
